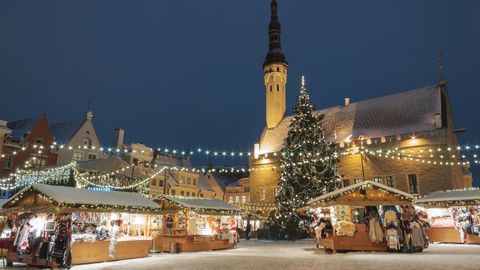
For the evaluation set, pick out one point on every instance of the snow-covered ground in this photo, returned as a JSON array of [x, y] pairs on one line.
[[250, 255]]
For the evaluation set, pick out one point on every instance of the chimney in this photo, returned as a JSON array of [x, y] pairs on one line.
[[347, 101], [118, 136]]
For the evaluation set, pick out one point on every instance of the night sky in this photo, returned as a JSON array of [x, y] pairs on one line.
[[178, 73]]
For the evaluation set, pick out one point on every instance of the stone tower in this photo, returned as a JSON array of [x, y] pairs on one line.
[[275, 72]]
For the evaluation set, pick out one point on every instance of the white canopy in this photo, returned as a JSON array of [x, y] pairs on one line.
[[452, 197]]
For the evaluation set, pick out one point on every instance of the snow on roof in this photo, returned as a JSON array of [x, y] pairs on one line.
[[21, 127], [461, 197], [203, 204], [398, 114], [74, 196], [224, 180], [63, 132], [332, 195], [110, 164], [203, 183]]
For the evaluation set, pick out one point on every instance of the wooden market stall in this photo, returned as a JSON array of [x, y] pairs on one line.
[[453, 216], [346, 205], [195, 224], [99, 226]]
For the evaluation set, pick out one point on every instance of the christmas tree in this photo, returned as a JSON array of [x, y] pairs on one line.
[[308, 167]]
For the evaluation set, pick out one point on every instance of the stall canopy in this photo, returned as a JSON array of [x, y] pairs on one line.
[[197, 205], [363, 194], [47, 198], [451, 198]]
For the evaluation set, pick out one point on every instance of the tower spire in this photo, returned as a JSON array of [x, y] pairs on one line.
[[441, 66], [275, 54]]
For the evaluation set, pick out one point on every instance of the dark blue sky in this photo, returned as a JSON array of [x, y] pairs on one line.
[[189, 72]]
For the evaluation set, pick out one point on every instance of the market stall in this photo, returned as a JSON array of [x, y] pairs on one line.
[[367, 216], [195, 224], [61, 226], [453, 216]]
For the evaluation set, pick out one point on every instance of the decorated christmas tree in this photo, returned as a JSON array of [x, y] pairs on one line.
[[308, 168]]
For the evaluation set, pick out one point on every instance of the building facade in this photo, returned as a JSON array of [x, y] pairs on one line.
[[27, 146], [406, 140], [76, 140]]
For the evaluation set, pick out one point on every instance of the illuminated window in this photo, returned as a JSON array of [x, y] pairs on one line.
[[357, 180], [230, 199], [390, 181], [378, 179], [237, 199], [244, 199], [77, 155], [263, 193]]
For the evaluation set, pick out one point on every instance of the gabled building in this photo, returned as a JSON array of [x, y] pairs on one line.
[[413, 124], [76, 140], [27, 145]]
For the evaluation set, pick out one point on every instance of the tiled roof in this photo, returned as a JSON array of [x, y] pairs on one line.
[[21, 127], [63, 132], [398, 114]]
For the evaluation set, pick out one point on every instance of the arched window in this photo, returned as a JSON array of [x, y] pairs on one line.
[[271, 88], [278, 87], [39, 141], [87, 142]]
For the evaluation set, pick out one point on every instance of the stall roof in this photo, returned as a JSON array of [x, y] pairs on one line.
[[451, 197], [74, 197], [199, 204], [331, 196]]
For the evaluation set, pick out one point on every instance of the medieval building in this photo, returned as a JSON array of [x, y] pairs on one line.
[[406, 140]]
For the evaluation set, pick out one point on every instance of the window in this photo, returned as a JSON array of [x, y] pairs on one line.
[[413, 183], [248, 198], [230, 199], [346, 182], [182, 180], [278, 88], [237, 199], [378, 179], [194, 181], [160, 183], [201, 195], [173, 191], [246, 189], [182, 193], [193, 194], [39, 141], [92, 156], [189, 181], [154, 182], [135, 161], [244, 199], [390, 181], [87, 142], [77, 155], [8, 161], [357, 180], [188, 193], [263, 193], [271, 88]]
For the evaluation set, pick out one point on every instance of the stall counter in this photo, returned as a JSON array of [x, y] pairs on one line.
[[359, 242], [190, 243]]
